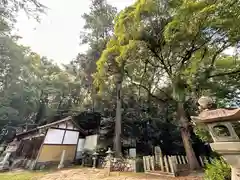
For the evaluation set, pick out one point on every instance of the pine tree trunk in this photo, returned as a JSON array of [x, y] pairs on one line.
[[118, 120], [185, 133]]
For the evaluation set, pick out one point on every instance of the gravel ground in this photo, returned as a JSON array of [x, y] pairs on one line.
[[96, 174]]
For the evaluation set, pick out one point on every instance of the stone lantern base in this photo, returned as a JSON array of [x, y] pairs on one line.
[[235, 174]]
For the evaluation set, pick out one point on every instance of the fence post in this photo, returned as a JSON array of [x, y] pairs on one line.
[[173, 165], [148, 163], [178, 159], [185, 160], [161, 163], [166, 163], [175, 159], [144, 164], [182, 159], [152, 163]]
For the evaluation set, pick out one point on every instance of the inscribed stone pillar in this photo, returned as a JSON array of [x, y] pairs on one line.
[[132, 153], [158, 155]]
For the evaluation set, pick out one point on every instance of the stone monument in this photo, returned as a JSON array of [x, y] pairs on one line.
[[224, 127]]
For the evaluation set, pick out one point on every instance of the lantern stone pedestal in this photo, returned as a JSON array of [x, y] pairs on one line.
[[94, 158], [224, 128]]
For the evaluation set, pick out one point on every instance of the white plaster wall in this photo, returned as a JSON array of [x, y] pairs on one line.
[[70, 126], [54, 136], [71, 137], [79, 152], [81, 143], [63, 125], [91, 142]]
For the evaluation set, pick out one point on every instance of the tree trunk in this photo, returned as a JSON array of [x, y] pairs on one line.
[[93, 98], [185, 133], [118, 120]]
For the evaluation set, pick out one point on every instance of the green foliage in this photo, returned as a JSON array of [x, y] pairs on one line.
[[218, 169], [187, 29], [11, 8], [33, 89], [96, 32], [177, 45], [180, 42], [21, 176], [203, 134]]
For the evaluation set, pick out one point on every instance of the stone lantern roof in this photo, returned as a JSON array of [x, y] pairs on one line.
[[217, 115]]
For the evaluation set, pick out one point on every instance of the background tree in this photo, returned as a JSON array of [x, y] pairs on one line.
[[96, 32]]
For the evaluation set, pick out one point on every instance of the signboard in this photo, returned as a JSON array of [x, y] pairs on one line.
[[132, 153]]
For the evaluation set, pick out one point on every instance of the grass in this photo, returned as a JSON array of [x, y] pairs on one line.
[[21, 175]]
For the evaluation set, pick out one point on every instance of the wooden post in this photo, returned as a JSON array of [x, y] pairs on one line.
[[166, 163], [134, 165], [144, 164], [152, 163], [181, 157], [148, 163], [176, 159], [161, 163], [173, 167], [61, 164]]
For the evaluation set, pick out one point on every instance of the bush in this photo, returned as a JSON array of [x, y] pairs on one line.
[[218, 170]]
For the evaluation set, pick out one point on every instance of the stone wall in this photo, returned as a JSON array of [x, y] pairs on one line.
[[124, 165]]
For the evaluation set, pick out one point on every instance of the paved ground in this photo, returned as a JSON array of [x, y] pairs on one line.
[[95, 174]]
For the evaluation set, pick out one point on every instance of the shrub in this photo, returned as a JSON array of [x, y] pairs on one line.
[[217, 170]]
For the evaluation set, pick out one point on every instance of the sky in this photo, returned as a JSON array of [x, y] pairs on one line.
[[57, 35]]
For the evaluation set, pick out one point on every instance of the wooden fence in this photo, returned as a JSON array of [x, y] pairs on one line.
[[164, 165], [167, 165]]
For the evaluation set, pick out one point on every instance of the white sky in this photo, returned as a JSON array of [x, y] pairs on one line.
[[57, 35]]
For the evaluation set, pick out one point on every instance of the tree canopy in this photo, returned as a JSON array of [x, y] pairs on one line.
[[173, 44]]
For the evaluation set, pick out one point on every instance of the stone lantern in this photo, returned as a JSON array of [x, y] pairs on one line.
[[109, 154], [109, 160], [223, 125], [94, 157]]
